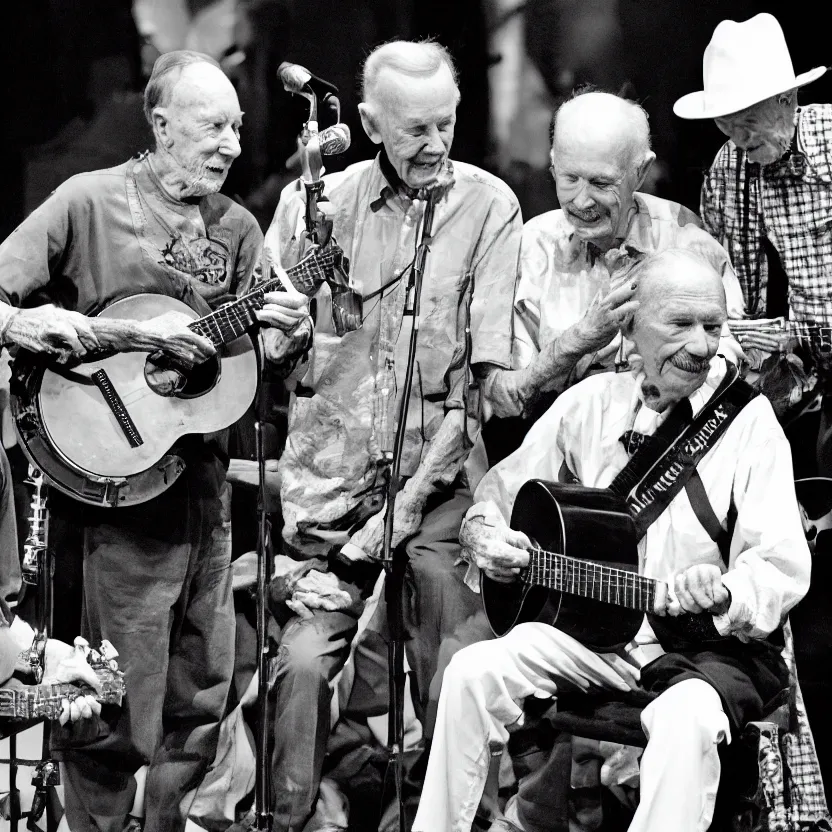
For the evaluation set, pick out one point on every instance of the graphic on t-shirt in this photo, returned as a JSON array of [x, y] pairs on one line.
[[202, 258]]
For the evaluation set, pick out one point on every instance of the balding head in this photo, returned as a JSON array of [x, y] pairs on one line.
[[600, 156], [611, 123], [415, 59], [196, 119], [677, 326], [409, 107]]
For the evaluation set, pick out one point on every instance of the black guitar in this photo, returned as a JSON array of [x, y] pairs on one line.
[[600, 601]]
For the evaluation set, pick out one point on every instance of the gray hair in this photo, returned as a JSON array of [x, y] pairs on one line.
[[417, 58], [166, 72], [635, 114]]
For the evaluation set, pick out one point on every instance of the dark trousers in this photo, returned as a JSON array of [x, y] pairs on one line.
[[312, 651], [441, 615], [157, 585]]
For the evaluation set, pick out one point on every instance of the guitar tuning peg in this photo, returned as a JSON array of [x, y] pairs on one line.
[[113, 665]]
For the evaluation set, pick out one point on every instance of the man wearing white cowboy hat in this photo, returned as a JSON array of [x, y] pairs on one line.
[[768, 199], [768, 195]]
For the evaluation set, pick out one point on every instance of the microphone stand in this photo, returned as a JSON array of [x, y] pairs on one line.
[[262, 782], [394, 561], [312, 164]]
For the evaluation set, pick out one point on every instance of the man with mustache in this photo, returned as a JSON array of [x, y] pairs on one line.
[[156, 576], [706, 694], [574, 290], [343, 415]]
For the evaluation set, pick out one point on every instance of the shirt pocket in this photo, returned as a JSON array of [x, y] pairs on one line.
[[444, 315]]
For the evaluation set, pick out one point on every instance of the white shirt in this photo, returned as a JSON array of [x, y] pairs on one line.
[[769, 563]]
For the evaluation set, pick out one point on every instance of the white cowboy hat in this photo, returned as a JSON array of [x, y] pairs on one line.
[[744, 63]]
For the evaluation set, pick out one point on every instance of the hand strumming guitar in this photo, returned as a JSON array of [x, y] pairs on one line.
[[696, 589], [489, 543], [68, 334]]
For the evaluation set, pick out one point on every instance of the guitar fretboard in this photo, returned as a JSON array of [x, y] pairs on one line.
[[590, 580], [233, 319]]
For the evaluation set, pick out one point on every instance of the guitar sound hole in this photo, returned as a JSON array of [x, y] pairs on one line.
[[166, 378]]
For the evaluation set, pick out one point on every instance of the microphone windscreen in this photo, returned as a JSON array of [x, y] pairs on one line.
[[335, 139]]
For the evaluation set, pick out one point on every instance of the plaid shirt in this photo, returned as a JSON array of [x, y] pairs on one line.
[[790, 203]]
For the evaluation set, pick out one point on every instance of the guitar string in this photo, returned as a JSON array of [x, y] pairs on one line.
[[218, 324], [573, 569]]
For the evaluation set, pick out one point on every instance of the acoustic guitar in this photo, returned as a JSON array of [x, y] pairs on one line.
[[599, 599], [100, 428]]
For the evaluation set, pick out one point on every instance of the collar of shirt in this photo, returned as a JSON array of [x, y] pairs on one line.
[[390, 184]]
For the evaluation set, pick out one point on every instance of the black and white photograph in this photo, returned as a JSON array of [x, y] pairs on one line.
[[414, 416]]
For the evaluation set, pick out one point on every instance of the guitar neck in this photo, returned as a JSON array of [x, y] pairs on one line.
[[234, 319], [45, 701], [590, 580]]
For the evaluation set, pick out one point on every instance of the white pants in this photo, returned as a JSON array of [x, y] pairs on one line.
[[483, 691]]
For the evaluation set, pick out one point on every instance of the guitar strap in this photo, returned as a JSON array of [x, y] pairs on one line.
[[659, 470]]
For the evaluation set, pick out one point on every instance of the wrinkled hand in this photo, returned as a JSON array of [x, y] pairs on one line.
[[69, 665], [606, 315], [696, 589], [284, 310], [52, 330], [172, 336], [488, 542], [731, 350], [318, 591], [765, 341]]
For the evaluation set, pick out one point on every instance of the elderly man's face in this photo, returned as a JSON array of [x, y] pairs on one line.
[[202, 124], [676, 330], [595, 177], [414, 119], [764, 131]]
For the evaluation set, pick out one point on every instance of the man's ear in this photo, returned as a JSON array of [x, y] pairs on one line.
[[369, 121], [161, 127], [643, 168]]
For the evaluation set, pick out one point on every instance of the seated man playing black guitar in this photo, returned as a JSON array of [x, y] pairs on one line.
[[730, 551]]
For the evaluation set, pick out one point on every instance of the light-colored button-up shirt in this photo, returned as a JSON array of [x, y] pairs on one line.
[[561, 275], [790, 203], [343, 416], [749, 466]]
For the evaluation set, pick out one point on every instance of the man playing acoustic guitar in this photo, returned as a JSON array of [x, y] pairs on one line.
[[745, 588], [157, 580]]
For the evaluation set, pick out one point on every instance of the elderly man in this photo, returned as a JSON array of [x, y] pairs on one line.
[[768, 194], [706, 695], [343, 415], [157, 581], [768, 198], [574, 288]]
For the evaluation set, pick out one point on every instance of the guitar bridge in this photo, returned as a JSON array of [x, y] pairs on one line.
[[116, 405]]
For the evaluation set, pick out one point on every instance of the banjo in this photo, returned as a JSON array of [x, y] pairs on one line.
[[100, 428]]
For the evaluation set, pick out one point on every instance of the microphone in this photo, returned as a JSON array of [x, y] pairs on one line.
[[298, 79], [334, 140]]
